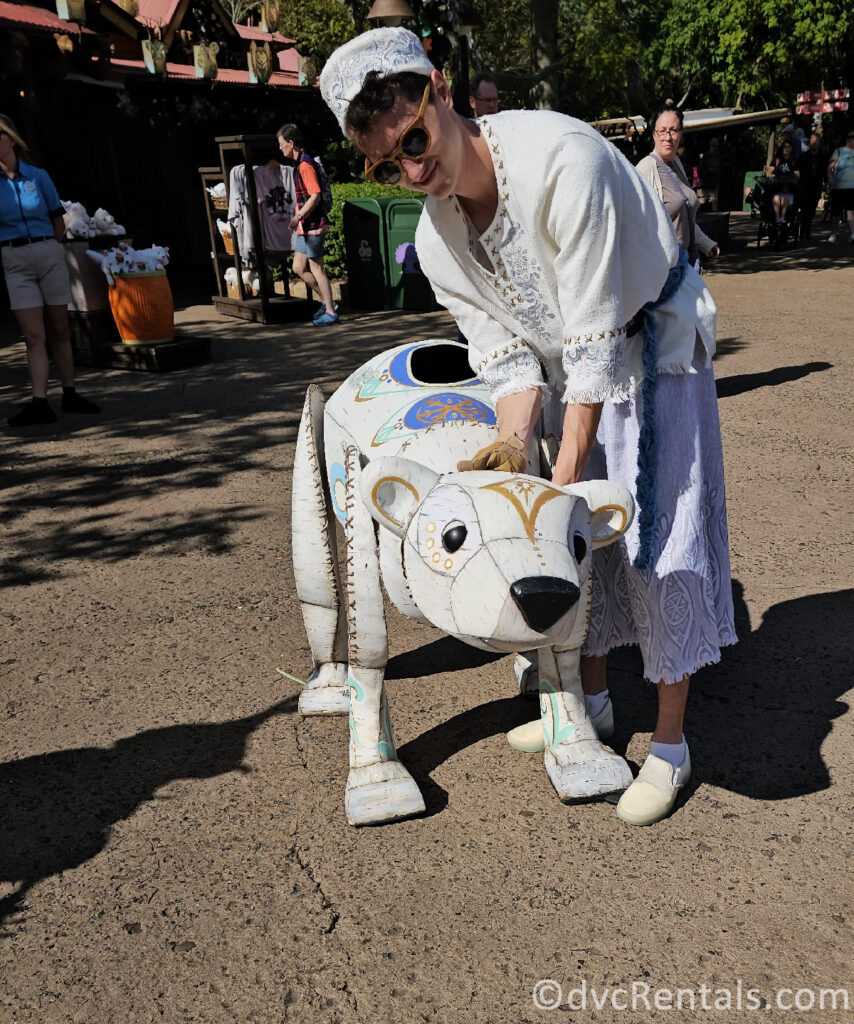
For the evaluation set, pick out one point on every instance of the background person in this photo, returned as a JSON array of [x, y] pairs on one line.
[[31, 227], [545, 245], [664, 171], [785, 178], [310, 224], [813, 171], [483, 94], [841, 172]]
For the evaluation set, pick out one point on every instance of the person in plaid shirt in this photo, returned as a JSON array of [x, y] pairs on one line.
[[310, 224]]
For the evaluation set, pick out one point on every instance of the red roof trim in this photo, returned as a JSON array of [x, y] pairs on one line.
[[40, 19], [227, 76], [252, 32]]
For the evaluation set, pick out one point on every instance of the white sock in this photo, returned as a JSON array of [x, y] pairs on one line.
[[595, 702], [674, 753]]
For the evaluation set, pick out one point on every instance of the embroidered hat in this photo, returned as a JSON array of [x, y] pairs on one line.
[[385, 50]]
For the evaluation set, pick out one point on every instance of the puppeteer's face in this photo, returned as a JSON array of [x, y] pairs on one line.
[[437, 173], [288, 148]]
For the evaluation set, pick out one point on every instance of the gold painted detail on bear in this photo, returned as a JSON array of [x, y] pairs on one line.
[[528, 516], [378, 504], [613, 508]]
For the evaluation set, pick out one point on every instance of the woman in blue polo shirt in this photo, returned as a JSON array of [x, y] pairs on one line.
[[36, 275]]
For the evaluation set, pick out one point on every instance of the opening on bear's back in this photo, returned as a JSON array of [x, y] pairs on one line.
[[441, 364]]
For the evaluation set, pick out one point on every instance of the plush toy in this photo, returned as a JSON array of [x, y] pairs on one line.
[[500, 560], [104, 223], [77, 224], [124, 259], [251, 280]]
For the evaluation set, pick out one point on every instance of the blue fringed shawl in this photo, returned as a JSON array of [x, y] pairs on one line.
[[648, 441]]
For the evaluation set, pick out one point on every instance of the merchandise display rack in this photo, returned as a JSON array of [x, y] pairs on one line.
[[268, 306]]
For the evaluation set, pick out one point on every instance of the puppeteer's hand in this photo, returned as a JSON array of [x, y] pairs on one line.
[[509, 454]]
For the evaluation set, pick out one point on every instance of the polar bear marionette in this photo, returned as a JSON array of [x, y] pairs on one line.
[[501, 561]]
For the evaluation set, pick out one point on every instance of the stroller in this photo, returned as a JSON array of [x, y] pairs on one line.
[[761, 201]]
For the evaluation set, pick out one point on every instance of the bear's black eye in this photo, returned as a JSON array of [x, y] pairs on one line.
[[579, 547], [453, 537]]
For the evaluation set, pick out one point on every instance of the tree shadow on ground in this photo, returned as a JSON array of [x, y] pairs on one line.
[[756, 722], [738, 384], [58, 808], [741, 255]]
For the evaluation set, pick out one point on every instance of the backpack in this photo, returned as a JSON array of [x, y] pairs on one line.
[[324, 204]]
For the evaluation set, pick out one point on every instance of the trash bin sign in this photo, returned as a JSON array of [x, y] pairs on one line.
[[367, 256], [408, 287]]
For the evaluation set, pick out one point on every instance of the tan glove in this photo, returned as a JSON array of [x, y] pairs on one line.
[[508, 454]]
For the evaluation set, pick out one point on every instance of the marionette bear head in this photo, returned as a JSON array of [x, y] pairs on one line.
[[499, 560]]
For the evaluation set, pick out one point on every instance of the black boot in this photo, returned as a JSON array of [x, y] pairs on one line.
[[38, 411], [72, 402]]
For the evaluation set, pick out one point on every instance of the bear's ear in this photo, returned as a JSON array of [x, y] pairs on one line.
[[393, 488], [612, 509]]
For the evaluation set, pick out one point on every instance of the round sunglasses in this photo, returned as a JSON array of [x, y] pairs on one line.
[[413, 144]]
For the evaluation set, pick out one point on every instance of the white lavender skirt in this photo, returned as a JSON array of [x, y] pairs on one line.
[[680, 615]]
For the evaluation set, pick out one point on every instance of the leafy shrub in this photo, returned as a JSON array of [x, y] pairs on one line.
[[334, 253]]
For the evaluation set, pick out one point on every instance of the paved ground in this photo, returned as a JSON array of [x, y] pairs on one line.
[[173, 843]]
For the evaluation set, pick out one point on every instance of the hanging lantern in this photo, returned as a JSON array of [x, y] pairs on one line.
[[391, 13], [306, 71], [71, 10], [270, 16], [260, 61], [154, 56], [204, 59]]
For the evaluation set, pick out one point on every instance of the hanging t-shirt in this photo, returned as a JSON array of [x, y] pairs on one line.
[[238, 213], [274, 187]]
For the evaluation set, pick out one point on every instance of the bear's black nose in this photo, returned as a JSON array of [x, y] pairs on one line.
[[542, 600]]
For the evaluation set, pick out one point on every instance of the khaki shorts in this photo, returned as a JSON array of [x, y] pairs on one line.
[[36, 275]]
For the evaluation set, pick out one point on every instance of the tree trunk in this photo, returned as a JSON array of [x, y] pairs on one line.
[[544, 53], [460, 74]]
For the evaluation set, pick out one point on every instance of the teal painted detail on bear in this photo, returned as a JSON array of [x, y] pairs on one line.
[[559, 734], [337, 489], [385, 750]]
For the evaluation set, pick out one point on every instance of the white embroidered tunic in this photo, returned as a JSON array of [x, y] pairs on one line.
[[578, 245]]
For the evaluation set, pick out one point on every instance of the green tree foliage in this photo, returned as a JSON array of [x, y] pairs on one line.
[[617, 57], [334, 249], [757, 52], [321, 26]]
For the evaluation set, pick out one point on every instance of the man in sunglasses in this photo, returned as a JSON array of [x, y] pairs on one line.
[[560, 266], [483, 94]]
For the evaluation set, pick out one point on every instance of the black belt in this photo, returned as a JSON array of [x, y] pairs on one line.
[[16, 243]]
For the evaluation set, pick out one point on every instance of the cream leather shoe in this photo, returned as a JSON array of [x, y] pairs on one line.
[[653, 793], [529, 737]]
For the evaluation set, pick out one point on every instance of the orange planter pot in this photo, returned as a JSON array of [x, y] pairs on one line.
[[143, 308]]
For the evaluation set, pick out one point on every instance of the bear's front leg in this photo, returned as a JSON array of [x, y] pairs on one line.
[[578, 764], [379, 788]]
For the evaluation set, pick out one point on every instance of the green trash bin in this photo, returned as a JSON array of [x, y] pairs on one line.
[[750, 179], [367, 253], [408, 287]]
